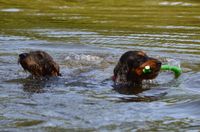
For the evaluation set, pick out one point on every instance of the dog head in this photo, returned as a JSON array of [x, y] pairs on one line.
[[39, 63], [132, 66]]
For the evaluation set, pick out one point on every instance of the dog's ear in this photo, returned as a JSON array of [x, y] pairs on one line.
[[117, 68], [55, 69]]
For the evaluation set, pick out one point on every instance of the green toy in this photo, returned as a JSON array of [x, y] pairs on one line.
[[177, 70], [147, 69]]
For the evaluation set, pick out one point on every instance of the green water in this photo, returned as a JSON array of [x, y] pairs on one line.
[[86, 38], [128, 15]]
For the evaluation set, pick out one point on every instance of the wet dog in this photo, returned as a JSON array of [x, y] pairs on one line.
[[39, 64], [131, 65]]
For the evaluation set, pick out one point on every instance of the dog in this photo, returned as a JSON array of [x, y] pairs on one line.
[[39, 64], [131, 65]]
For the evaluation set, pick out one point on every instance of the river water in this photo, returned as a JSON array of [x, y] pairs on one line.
[[87, 38]]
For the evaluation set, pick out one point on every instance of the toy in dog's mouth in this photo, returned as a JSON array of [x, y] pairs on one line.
[[135, 66], [152, 69], [177, 70], [148, 70]]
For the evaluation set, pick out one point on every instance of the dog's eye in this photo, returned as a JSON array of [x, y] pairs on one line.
[[141, 61]]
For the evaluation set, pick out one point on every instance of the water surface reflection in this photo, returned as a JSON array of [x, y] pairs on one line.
[[86, 39]]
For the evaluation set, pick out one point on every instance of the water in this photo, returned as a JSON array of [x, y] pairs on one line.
[[87, 38]]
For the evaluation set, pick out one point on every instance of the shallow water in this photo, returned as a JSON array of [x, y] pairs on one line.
[[87, 38]]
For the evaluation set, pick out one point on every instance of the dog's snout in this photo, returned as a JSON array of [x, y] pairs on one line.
[[23, 55], [159, 63]]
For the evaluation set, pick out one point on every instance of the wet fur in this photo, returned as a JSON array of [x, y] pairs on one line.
[[129, 69], [39, 64]]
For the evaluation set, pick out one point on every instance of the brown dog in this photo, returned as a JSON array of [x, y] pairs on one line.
[[39, 64], [130, 68]]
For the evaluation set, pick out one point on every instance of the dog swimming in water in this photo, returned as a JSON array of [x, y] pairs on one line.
[[39, 64], [134, 67]]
